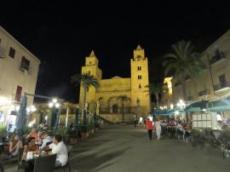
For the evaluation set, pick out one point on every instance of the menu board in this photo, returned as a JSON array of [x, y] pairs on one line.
[[202, 120]]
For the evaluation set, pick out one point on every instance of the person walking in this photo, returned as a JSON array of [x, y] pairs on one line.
[[158, 129], [149, 127]]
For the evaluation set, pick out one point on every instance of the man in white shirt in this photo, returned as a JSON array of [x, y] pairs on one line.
[[59, 148]]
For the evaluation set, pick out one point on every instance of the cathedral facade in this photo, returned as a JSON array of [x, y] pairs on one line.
[[119, 95]]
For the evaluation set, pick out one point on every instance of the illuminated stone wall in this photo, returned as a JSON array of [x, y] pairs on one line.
[[12, 74], [110, 90]]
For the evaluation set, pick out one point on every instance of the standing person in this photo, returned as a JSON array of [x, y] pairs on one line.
[[149, 126], [158, 129], [135, 122]]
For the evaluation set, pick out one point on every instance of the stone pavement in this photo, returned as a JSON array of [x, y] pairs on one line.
[[125, 149]]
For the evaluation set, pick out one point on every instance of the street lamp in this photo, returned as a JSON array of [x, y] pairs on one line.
[[55, 105], [31, 109], [181, 105]]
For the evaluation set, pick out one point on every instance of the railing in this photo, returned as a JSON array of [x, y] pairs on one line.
[[114, 111], [221, 85], [218, 56], [118, 110], [203, 92]]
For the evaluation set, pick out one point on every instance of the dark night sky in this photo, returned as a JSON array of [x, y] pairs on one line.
[[62, 34]]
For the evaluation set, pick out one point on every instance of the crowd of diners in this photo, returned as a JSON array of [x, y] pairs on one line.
[[177, 128], [35, 144], [173, 128]]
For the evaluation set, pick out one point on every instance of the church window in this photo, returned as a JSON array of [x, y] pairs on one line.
[[88, 72], [139, 68], [138, 57], [139, 85], [139, 77]]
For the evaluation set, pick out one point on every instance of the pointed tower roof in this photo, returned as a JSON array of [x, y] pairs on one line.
[[139, 47], [92, 54]]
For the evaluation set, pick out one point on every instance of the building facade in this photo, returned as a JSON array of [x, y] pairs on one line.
[[210, 90], [19, 72], [111, 92], [214, 81]]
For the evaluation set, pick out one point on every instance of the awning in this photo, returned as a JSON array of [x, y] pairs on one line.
[[197, 106], [165, 112], [219, 105], [193, 109]]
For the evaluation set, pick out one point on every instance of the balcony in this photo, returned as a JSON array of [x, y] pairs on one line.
[[219, 55], [203, 93], [222, 87]]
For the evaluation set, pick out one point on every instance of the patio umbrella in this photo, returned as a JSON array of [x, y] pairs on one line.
[[219, 105], [21, 118]]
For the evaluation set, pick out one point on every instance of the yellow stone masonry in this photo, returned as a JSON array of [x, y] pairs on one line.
[[107, 96]]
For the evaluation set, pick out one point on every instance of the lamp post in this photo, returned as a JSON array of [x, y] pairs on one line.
[[54, 105], [30, 110], [181, 105]]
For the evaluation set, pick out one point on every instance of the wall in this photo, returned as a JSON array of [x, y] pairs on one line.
[[203, 81], [10, 75]]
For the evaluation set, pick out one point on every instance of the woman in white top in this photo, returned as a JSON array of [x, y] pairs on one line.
[[158, 129]]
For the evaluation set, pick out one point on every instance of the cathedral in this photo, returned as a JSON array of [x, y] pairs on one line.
[[119, 95]]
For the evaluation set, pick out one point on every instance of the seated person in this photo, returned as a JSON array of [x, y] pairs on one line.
[[46, 139], [33, 134], [14, 146], [188, 131], [30, 146], [59, 148], [27, 162]]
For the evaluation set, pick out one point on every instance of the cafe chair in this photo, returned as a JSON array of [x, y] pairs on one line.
[[45, 163], [65, 167]]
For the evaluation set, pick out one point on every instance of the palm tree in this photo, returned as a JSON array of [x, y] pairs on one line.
[[123, 99], [155, 89], [183, 62], [87, 81]]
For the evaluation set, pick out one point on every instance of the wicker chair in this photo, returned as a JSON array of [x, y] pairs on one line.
[[45, 164], [65, 167]]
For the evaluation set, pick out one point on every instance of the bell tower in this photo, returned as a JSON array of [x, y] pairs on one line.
[[91, 68], [140, 97]]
